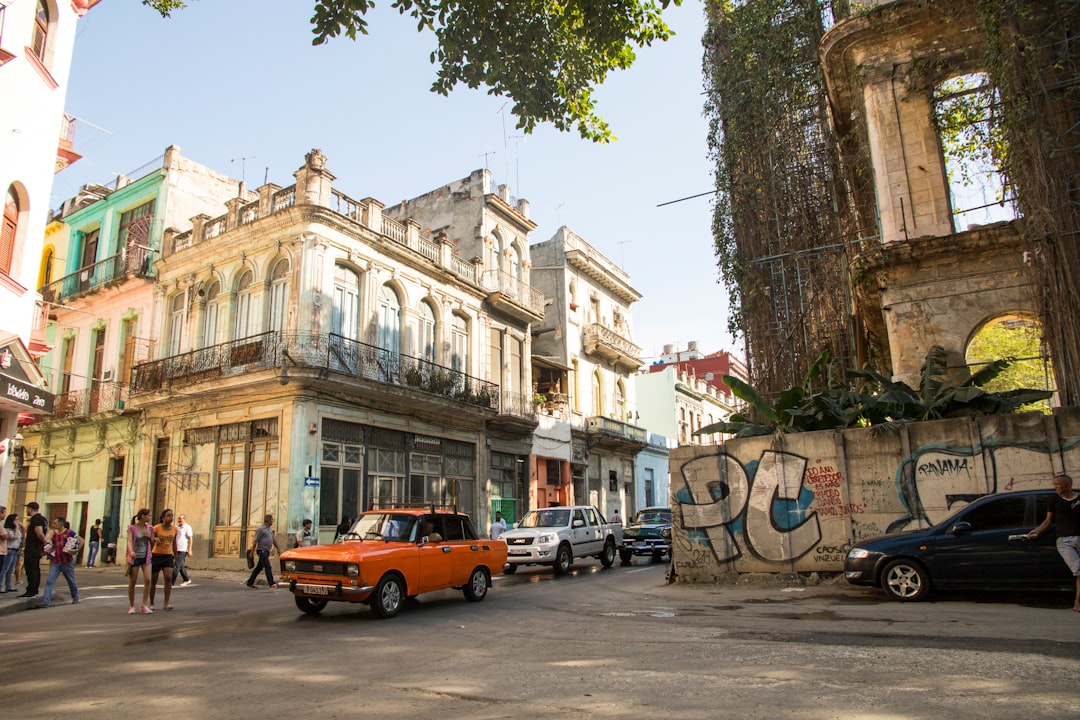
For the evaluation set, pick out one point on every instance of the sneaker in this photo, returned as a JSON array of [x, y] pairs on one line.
[[252, 586], [274, 586], [147, 611], [75, 601], [40, 606], [131, 611], [28, 595], [185, 583]]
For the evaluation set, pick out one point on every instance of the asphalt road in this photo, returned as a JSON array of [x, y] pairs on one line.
[[597, 643]]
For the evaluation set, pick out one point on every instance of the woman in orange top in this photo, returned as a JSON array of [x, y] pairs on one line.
[[163, 556]]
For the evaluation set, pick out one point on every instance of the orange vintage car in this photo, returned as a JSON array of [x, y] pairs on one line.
[[390, 555]]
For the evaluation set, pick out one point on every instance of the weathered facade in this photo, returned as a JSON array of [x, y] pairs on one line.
[[318, 357], [101, 246], [798, 504], [584, 359]]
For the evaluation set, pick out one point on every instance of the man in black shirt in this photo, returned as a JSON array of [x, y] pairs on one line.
[[1064, 510], [34, 545]]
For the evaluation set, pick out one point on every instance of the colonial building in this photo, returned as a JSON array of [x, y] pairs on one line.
[[36, 40], [676, 403], [319, 357], [101, 248], [584, 358]]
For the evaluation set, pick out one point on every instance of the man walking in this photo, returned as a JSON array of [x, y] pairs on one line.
[[498, 526], [183, 547], [264, 543], [65, 545], [1064, 510], [33, 548]]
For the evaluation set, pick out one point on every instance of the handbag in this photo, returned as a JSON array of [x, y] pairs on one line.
[[251, 558]]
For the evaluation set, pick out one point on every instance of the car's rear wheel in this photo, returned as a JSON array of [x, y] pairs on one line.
[[905, 580], [510, 568], [563, 560], [477, 588], [388, 596], [607, 557], [310, 605]]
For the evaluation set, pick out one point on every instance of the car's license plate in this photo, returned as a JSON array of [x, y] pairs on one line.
[[314, 589], [517, 552]]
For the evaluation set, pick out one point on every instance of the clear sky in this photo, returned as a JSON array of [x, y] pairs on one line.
[[238, 86]]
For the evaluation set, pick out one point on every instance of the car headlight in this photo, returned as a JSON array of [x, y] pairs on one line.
[[352, 570], [290, 566], [665, 532], [858, 553], [543, 540]]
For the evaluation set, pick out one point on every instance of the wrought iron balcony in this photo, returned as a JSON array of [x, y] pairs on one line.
[[607, 432], [324, 352], [611, 346], [134, 261], [99, 397]]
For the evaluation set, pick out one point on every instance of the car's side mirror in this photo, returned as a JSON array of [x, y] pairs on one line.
[[960, 528], [578, 523]]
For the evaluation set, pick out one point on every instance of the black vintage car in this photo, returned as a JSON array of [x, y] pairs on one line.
[[648, 534], [983, 545]]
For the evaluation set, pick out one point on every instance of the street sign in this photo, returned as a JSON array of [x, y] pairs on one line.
[[311, 482]]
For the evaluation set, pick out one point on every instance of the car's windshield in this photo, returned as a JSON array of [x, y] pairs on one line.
[[548, 517], [653, 517], [397, 527]]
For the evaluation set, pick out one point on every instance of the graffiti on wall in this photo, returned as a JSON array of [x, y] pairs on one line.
[[785, 507], [764, 508]]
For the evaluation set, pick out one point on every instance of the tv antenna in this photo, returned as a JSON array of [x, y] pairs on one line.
[[243, 165]]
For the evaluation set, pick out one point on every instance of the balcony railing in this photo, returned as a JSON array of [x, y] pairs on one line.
[[99, 397], [616, 428], [314, 351], [135, 260], [510, 287], [610, 345]]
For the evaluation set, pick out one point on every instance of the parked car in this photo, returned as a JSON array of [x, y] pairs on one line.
[[556, 535], [983, 545], [390, 555], [649, 533]]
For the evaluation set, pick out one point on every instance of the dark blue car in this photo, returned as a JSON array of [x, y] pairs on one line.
[[984, 545]]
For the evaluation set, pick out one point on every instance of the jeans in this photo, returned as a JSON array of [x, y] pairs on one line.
[[68, 570], [94, 546], [180, 570], [262, 564], [8, 569]]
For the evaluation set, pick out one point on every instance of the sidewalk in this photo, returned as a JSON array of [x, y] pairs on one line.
[[91, 579]]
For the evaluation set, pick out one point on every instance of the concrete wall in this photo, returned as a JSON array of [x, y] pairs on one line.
[[798, 503]]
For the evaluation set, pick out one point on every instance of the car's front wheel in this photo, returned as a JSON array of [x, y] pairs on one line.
[[477, 588], [607, 557], [563, 558], [388, 596], [905, 580], [310, 605]]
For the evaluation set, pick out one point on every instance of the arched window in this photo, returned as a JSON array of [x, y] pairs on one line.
[[210, 319], [38, 42], [279, 285], [459, 343], [241, 321], [620, 401], [10, 227], [45, 272], [389, 319], [495, 254], [345, 320], [425, 332], [176, 323], [515, 263]]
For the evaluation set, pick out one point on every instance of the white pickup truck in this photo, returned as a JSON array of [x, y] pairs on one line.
[[556, 535]]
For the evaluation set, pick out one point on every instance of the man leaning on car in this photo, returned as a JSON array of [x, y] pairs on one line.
[[1064, 510]]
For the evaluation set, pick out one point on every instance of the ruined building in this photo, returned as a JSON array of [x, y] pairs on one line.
[[843, 219]]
